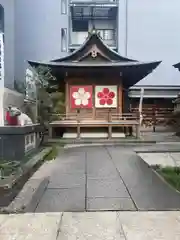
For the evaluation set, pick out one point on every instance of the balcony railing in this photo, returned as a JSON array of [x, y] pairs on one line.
[[110, 2], [95, 11]]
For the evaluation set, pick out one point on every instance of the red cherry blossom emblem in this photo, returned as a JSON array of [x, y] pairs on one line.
[[105, 97]]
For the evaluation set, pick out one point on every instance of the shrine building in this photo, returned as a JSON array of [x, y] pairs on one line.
[[96, 80]]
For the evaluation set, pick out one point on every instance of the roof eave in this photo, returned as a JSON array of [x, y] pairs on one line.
[[177, 65]]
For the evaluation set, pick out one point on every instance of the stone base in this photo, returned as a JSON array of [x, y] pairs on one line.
[[118, 135], [102, 135], [18, 141]]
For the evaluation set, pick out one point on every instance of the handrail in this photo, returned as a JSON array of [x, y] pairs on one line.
[[108, 118]]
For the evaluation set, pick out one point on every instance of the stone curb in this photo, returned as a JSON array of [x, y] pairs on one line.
[[32, 205], [28, 197], [31, 192], [101, 141], [167, 150]]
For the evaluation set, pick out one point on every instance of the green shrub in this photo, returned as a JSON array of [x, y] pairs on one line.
[[171, 175]]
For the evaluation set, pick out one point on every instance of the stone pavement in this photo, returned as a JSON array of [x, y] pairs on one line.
[[104, 178], [91, 225], [162, 134], [171, 159]]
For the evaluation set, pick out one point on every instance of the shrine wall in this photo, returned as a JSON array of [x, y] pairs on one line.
[[103, 98]]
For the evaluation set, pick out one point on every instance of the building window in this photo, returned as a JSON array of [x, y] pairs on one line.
[[64, 39], [106, 34], [63, 6], [80, 26]]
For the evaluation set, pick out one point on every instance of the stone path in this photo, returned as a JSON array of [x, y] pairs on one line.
[[105, 178], [91, 226]]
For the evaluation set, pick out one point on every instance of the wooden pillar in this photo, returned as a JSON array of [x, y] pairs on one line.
[[126, 101], [120, 98], [93, 99], [78, 131], [67, 97], [78, 125], [110, 131], [109, 124]]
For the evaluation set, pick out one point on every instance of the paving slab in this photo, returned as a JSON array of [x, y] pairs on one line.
[[155, 148], [90, 226], [67, 180], [108, 204], [150, 225], [163, 159], [176, 158], [99, 164], [30, 226], [146, 189], [56, 200], [70, 167], [3, 218], [106, 188]]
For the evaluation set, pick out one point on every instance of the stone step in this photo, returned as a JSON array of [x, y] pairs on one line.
[[93, 135]]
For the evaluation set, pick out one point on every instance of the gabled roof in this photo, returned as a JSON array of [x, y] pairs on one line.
[[94, 39], [95, 55]]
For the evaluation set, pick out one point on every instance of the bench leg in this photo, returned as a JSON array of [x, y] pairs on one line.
[[78, 132], [109, 132], [137, 131]]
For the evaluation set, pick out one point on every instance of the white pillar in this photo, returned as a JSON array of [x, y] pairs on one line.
[[1, 107]]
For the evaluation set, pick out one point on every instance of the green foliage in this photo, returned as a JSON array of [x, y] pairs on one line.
[[171, 175], [53, 154], [50, 101], [8, 167], [44, 77]]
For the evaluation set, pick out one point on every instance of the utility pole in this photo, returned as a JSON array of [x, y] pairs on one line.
[[140, 105]]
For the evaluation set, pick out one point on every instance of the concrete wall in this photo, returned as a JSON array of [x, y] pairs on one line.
[[9, 43], [153, 33]]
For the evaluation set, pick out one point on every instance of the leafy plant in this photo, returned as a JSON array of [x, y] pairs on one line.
[[50, 101], [171, 175], [53, 154], [8, 167]]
